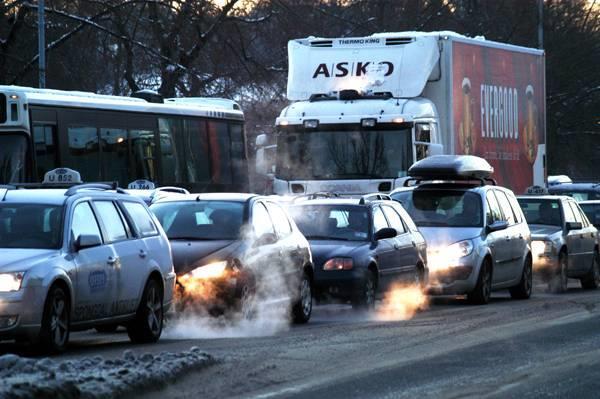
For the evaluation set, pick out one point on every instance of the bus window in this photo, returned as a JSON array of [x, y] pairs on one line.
[[169, 129], [83, 152], [115, 155], [44, 142], [238, 154], [143, 155], [195, 148], [220, 152]]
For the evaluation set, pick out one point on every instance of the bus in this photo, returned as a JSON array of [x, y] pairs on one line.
[[195, 143]]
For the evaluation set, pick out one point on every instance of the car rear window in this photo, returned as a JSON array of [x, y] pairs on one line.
[[541, 211], [30, 226], [332, 222], [141, 218], [592, 211]]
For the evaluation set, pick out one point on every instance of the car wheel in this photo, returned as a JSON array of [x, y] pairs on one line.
[[55, 330], [247, 303], [592, 280], [148, 322], [483, 289], [366, 298], [107, 328], [524, 288], [560, 280], [419, 278], [303, 307]]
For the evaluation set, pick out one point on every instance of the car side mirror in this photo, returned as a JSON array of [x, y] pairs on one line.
[[573, 226], [497, 226], [265, 239], [386, 232], [87, 241]]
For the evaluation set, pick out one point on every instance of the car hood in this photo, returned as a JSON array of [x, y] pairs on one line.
[[189, 254], [20, 259], [541, 231], [439, 237], [323, 250]]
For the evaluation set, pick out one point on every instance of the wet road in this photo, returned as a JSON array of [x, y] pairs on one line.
[[546, 346]]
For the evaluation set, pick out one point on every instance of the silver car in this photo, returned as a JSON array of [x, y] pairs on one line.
[[79, 258], [477, 237], [565, 243]]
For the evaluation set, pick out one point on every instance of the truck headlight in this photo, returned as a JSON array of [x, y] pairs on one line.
[[10, 281]]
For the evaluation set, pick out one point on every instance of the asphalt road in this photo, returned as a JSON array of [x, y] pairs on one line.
[[548, 346]]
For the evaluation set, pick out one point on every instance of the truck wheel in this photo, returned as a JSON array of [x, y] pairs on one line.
[[303, 307], [147, 325], [54, 334], [560, 280], [523, 289], [483, 289], [592, 280], [366, 297]]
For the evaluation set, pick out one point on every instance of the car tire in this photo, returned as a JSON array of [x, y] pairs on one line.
[[592, 280], [525, 286], [107, 328], [483, 289], [366, 297], [55, 330], [302, 309], [560, 280], [420, 277], [147, 325]]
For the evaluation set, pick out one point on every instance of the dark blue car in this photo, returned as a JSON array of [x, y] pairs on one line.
[[361, 246]]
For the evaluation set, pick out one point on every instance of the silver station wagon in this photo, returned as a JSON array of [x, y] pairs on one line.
[[78, 258]]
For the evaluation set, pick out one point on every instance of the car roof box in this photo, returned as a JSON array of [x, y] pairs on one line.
[[451, 167]]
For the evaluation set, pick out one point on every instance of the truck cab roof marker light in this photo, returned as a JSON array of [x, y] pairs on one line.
[[368, 122], [311, 123]]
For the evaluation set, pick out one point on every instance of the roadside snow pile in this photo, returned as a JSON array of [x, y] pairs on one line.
[[94, 377]]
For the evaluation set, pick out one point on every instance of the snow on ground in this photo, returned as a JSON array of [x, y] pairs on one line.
[[95, 377]]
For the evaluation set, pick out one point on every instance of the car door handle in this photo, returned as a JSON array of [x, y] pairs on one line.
[[414, 244], [142, 253], [112, 260], [507, 238], [396, 246], [520, 236]]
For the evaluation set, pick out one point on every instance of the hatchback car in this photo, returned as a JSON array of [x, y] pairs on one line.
[[361, 246], [477, 237], [78, 258], [225, 245], [565, 243]]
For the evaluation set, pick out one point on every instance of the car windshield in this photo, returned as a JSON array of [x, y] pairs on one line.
[[32, 226], [200, 220], [541, 211], [343, 154], [444, 208], [592, 211], [332, 222]]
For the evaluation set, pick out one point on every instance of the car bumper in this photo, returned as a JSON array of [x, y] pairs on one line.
[[342, 284], [455, 278], [21, 312]]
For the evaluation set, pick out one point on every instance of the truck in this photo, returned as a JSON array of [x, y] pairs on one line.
[[364, 109]]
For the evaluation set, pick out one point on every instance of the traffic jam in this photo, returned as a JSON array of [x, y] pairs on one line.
[[97, 256]]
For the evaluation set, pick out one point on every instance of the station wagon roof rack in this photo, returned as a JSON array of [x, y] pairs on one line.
[[374, 197], [316, 195], [95, 186]]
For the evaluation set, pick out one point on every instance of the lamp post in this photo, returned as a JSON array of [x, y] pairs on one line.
[[41, 45]]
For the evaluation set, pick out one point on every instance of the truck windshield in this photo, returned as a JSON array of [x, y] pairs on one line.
[[13, 149], [343, 154]]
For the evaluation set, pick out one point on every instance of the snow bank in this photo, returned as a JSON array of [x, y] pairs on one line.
[[94, 377]]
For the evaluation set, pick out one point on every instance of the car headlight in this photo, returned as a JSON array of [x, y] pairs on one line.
[[10, 281], [209, 271], [338, 264], [459, 249], [540, 248]]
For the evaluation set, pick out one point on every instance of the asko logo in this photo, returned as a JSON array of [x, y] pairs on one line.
[[360, 68]]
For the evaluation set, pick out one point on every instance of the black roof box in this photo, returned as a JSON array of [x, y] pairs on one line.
[[451, 167]]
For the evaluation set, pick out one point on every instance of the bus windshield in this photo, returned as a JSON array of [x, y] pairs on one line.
[[13, 149], [343, 154]]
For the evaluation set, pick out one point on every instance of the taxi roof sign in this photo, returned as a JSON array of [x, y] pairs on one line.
[[62, 176], [141, 184], [451, 167]]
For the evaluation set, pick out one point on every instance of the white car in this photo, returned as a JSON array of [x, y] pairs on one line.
[[90, 256]]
